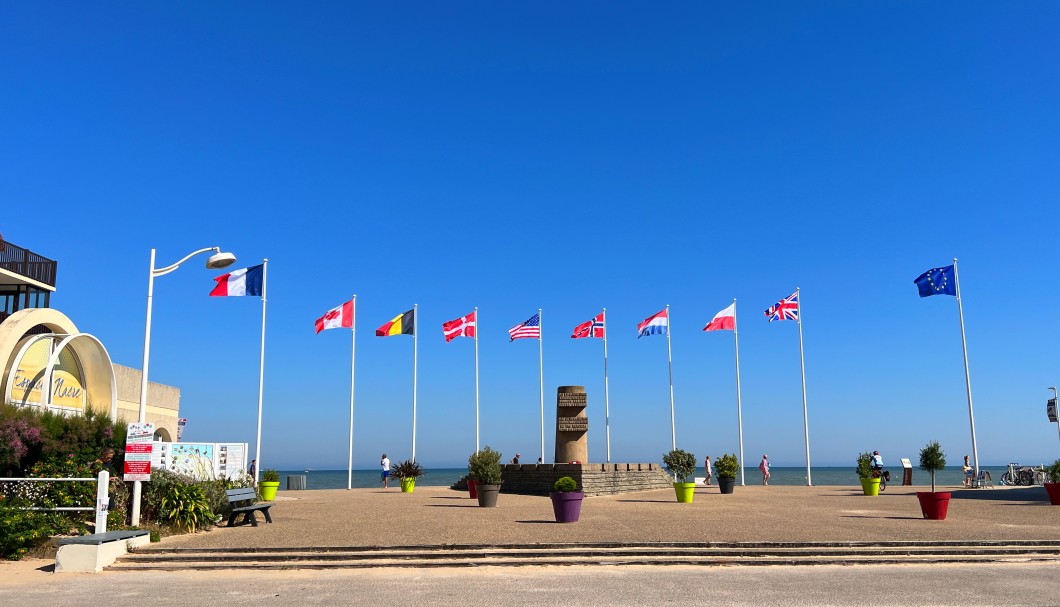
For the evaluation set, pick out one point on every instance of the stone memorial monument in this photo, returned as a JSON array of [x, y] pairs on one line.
[[572, 425]]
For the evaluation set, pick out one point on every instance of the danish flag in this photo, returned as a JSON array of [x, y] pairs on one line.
[[785, 309], [461, 327]]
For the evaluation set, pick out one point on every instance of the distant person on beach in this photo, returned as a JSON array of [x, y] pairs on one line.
[[252, 468], [968, 472], [539, 460], [877, 461], [385, 463], [709, 470], [515, 460], [764, 467]]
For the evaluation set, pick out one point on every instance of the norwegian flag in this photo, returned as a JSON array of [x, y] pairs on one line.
[[785, 309], [461, 327], [591, 328]]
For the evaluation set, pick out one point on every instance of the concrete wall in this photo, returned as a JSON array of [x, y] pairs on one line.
[[163, 402], [593, 479]]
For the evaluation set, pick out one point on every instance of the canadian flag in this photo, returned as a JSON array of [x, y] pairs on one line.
[[724, 320], [337, 318], [461, 327]]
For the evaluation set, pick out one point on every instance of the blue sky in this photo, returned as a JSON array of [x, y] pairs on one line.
[[567, 158]]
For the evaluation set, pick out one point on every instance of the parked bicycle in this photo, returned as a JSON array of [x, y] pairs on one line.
[[1023, 475]]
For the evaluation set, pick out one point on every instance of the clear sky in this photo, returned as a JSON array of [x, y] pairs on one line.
[[563, 157]]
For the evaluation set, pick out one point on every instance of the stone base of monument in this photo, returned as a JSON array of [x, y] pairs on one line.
[[593, 479]]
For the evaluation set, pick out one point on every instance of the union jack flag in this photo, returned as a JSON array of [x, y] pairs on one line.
[[590, 328], [785, 309]]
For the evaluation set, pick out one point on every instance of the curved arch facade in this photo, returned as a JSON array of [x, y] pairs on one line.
[[75, 362]]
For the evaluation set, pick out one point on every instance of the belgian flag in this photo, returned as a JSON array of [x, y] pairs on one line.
[[402, 324]]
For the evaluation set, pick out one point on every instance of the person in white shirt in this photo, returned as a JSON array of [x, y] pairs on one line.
[[385, 463]]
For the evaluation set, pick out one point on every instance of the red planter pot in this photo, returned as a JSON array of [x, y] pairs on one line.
[[1053, 489], [567, 506], [471, 489], [934, 505]]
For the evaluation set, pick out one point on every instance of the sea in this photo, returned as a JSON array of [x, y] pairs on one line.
[[780, 475]]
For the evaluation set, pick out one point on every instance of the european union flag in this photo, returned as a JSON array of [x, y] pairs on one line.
[[937, 281]]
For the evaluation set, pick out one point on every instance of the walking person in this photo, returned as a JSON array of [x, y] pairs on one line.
[[764, 467], [708, 470], [385, 463], [968, 472]]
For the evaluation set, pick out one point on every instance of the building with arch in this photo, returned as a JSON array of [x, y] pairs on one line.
[[48, 363]]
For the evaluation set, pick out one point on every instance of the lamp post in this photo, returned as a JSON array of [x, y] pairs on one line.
[[216, 261]]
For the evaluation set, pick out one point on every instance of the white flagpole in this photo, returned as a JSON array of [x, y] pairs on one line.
[[670, 360], [805, 416], [967, 374], [541, 378], [607, 405], [476, 379], [261, 369], [415, 338], [353, 354], [739, 408]]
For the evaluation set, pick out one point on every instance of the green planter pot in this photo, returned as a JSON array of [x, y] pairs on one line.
[[685, 492], [267, 489], [871, 486], [407, 485]]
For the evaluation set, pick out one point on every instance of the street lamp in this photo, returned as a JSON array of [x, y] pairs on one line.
[[214, 262]]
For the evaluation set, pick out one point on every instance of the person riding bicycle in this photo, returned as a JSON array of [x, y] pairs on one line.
[[877, 466]]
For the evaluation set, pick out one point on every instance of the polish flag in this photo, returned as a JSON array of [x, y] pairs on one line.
[[724, 320], [248, 281], [337, 318], [461, 327]]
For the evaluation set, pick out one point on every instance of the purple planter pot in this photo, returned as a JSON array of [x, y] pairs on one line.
[[567, 506]]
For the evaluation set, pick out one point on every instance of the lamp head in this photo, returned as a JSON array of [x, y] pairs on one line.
[[220, 260]]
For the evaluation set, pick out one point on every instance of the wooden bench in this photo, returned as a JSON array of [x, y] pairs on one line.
[[242, 501]]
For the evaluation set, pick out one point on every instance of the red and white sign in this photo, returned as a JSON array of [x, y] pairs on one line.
[[138, 446]]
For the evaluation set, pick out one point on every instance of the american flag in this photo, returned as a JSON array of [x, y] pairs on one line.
[[531, 328], [590, 328], [461, 327], [785, 309]]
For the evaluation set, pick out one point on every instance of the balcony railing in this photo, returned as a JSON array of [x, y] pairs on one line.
[[24, 262]]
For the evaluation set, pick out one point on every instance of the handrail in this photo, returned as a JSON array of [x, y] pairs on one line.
[[14, 258], [102, 497]]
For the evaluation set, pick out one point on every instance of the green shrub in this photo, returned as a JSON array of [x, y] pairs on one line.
[[727, 466], [29, 436], [1054, 472], [864, 468], [932, 459], [21, 531], [185, 507], [485, 466], [407, 469], [565, 484], [269, 475], [681, 464]]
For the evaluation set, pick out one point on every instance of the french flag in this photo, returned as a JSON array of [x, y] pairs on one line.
[[656, 324], [248, 281]]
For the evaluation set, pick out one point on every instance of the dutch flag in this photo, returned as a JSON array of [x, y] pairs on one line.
[[656, 324]]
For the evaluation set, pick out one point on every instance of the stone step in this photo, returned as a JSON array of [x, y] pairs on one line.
[[445, 556]]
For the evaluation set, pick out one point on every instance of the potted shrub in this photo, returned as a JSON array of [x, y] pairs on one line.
[[682, 465], [270, 482], [1052, 487], [933, 504], [566, 500], [407, 472], [726, 469], [484, 467], [870, 479]]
